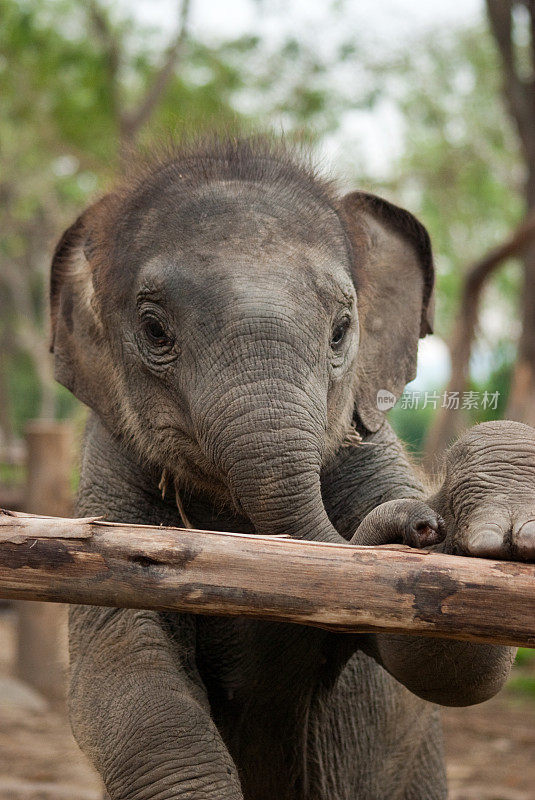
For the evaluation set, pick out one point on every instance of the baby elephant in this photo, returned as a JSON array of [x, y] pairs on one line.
[[231, 321]]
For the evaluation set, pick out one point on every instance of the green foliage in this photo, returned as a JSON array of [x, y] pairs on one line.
[[523, 684], [22, 385], [53, 81], [522, 680], [525, 656], [11, 475], [411, 425]]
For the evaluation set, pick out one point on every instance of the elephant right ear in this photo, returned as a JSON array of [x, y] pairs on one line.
[[82, 356], [394, 277]]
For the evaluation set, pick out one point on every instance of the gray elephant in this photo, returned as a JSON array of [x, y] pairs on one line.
[[230, 320]]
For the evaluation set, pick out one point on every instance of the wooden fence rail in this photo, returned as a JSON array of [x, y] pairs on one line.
[[338, 587]]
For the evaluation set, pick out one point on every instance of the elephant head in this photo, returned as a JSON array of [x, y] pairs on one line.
[[229, 318]]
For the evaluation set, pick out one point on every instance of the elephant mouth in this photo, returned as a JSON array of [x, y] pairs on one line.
[[190, 473]]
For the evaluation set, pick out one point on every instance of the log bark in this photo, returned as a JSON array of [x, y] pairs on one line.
[[338, 587]]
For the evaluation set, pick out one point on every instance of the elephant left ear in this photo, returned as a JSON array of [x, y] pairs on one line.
[[394, 277]]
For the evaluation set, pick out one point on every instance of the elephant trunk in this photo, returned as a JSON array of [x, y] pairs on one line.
[[269, 448]]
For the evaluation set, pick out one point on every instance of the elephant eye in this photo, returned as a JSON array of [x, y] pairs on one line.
[[339, 332], [155, 331]]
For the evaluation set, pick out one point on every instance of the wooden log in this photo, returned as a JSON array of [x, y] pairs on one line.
[[41, 628], [339, 587]]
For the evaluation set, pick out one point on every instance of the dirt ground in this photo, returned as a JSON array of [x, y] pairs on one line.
[[490, 748]]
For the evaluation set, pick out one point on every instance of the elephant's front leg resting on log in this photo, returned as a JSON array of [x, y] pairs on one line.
[[139, 709], [487, 498], [485, 507]]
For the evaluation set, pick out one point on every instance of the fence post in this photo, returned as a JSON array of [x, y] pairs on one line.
[[41, 626]]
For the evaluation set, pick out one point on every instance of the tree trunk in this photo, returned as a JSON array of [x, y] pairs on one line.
[[521, 403], [41, 630], [7, 434], [519, 96], [449, 421]]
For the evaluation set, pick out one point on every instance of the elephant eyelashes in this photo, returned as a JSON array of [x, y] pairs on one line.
[[339, 332]]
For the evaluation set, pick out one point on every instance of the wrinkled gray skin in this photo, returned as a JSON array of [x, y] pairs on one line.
[[209, 314]]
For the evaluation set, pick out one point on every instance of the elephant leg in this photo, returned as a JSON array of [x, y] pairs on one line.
[[139, 709], [428, 781]]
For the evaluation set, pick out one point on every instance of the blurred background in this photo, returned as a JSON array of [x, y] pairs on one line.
[[430, 104]]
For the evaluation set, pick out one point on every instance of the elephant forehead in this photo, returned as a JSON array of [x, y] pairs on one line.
[[307, 278], [238, 229], [244, 214]]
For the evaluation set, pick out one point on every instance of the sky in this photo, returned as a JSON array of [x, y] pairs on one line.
[[388, 20], [383, 24]]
